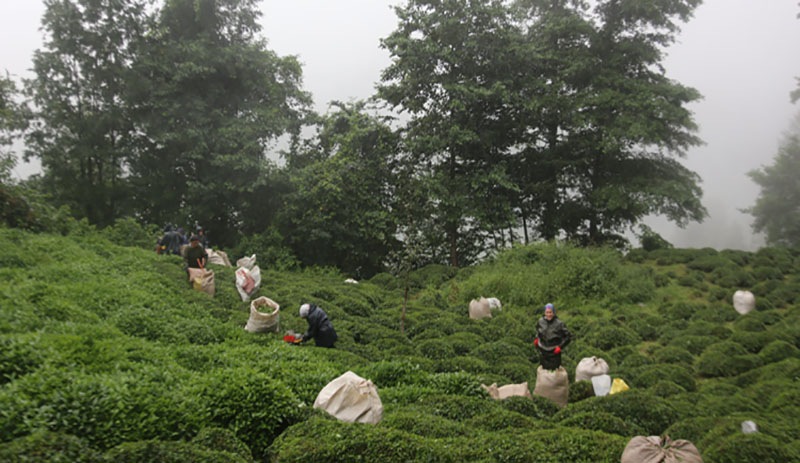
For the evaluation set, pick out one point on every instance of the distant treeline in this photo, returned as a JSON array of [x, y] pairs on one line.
[[521, 121]]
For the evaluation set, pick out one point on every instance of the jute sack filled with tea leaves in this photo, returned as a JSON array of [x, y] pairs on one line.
[[552, 384], [202, 280], [653, 449], [589, 367], [265, 316], [509, 390]]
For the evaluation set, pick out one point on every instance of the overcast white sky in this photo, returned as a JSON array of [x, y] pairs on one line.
[[740, 54]]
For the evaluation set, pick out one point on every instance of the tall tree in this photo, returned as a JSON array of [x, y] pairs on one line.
[[610, 122], [81, 131], [14, 116], [341, 211], [776, 209], [453, 72], [210, 98]]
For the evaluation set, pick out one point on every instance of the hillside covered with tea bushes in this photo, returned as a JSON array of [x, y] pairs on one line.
[[107, 355]]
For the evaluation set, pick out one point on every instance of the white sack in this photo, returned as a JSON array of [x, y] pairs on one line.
[[749, 427], [351, 398], [247, 281], [744, 302], [479, 309], [247, 262], [494, 303], [601, 385], [267, 321], [589, 367]]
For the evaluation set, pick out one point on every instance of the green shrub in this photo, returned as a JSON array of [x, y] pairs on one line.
[[762, 273], [129, 232], [695, 344], [580, 390], [536, 407], [716, 313], [19, 355], [666, 388], [460, 383], [601, 421], [691, 429], [732, 277], [423, 425], [726, 359], [753, 342], [649, 375], [462, 363], [634, 360], [155, 451], [778, 350], [750, 324], [49, 447], [606, 337], [436, 349], [748, 448], [673, 354], [224, 440], [458, 408], [652, 414], [500, 419], [390, 373], [254, 405], [708, 263], [646, 326]]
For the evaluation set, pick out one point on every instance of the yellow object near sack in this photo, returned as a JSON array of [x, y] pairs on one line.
[[618, 385]]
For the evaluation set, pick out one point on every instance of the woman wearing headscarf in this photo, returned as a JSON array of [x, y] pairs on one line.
[[319, 327], [552, 337]]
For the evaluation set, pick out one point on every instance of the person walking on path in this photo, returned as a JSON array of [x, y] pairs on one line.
[[552, 336]]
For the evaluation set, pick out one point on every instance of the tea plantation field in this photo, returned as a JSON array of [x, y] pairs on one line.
[[107, 355]]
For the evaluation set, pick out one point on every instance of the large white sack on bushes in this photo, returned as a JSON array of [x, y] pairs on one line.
[[589, 367], [552, 384], [744, 302], [247, 281], [479, 308], [351, 398], [202, 280], [509, 390], [218, 258], [247, 262], [494, 303], [651, 449], [601, 385], [266, 321]]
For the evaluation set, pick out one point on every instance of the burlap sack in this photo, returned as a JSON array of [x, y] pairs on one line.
[[509, 390], [218, 258], [651, 449], [553, 384], [267, 321], [351, 398], [202, 280], [479, 309], [589, 367]]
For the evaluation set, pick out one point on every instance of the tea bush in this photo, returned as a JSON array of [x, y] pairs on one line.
[[601, 421], [49, 447], [726, 359], [748, 448], [649, 375], [162, 451], [778, 350], [537, 407], [652, 414], [424, 425]]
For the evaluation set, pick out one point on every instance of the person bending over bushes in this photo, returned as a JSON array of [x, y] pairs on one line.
[[319, 327], [551, 337]]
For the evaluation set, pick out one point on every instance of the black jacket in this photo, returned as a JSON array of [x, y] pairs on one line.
[[552, 333], [320, 328]]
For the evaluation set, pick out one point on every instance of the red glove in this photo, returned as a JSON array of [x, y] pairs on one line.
[[536, 342], [557, 350]]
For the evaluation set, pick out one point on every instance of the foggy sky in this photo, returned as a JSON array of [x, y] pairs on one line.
[[740, 54]]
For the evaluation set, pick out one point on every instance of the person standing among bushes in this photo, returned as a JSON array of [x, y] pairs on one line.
[[196, 255], [319, 327], [552, 336]]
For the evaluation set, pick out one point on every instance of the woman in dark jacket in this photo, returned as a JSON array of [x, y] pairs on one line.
[[319, 327], [551, 337]]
